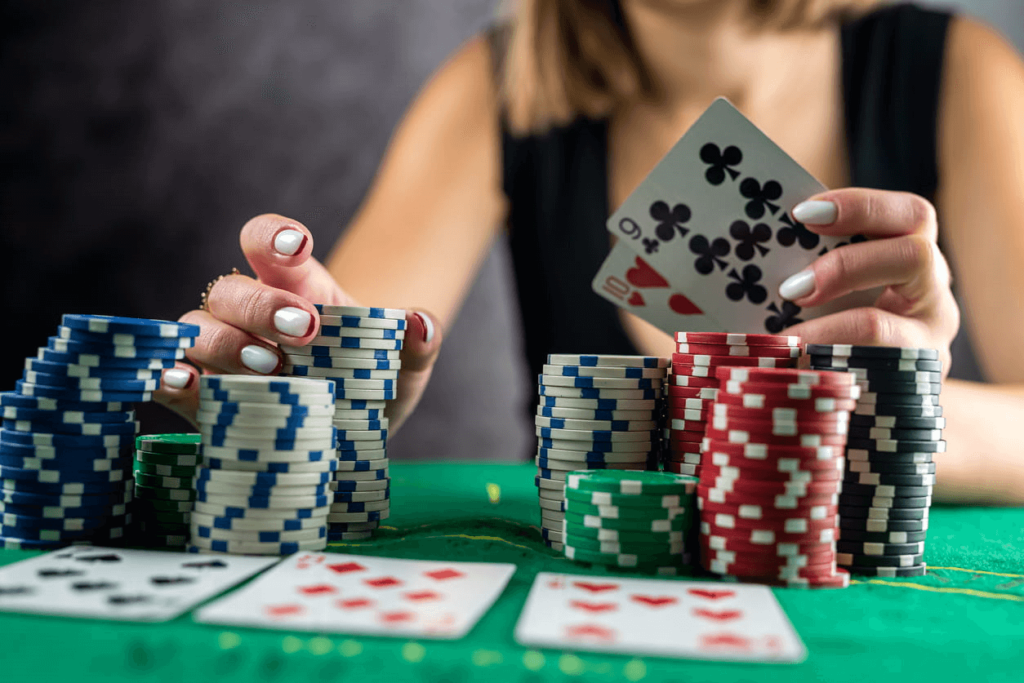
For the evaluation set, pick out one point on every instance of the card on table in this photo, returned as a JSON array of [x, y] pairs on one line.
[[335, 593], [124, 585], [714, 219], [686, 619]]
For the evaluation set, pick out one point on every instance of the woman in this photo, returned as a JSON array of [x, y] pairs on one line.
[[547, 127]]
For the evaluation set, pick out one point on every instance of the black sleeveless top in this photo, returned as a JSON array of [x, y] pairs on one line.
[[557, 182]]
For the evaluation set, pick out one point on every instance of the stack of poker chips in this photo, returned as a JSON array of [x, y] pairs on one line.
[[268, 457], [165, 465], [771, 476], [68, 429], [692, 387], [595, 413], [629, 520], [358, 349], [894, 432]]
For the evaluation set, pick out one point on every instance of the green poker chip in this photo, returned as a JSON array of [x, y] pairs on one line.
[[629, 547], [155, 470], [663, 525], [162, 506], [170, 459], [615, 512], [164, 517], [143, 492], [631, 482], [622, 559], [163, 482], [169, 443], [624, 535], [624, 500]]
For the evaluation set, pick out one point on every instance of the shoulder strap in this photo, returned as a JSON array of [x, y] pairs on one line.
[[892, 72]]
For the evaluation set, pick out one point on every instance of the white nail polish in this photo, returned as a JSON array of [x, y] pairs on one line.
[[815, 212], [428, 325], [288, 242], [797, 286], [258, 359], [292, 321], [176, 379]]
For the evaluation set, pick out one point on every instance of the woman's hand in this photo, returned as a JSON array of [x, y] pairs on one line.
[[245, 319], [916, 307]]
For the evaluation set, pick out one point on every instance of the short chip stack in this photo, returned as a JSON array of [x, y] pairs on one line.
[[595, 413], [771, 476], [68, 429], [629, 520], [692, 387], [165, 465], [890, 473], [268, 458], [358, 349]]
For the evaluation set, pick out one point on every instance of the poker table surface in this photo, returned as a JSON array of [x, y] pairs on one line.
[[964, 619]]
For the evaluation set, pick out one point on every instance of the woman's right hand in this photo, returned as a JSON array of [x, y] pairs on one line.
[[246, 318]]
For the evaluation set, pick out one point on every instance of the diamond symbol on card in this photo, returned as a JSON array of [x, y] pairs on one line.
[[346, 567], [277, 611], [355, 603], [444, 574], [422, 596], [595, 587], [726, 641], [383, 582], [592, 631], [711, 594], [396, 617], [318, 589]]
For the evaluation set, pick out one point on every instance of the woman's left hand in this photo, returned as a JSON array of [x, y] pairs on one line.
[[916, 307]]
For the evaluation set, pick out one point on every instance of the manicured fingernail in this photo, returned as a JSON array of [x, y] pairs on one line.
[[177, 379], [288, 242], [428, 327], [293, 321], [258, 359], [815, 212], [797, 286]]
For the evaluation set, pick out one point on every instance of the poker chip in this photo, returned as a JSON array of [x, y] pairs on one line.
[[603, 371], [731, 350], [864, 511], [201, 545], [109, 324], [594, 415], [326, 332], [353, 312], [733, 339], [876, 352], [608, 360], [784, 376], [602, 425], [599, 446], [620, 559], [897, 445], [258, 536], [853, 560], [897, 480], [887, 458], [705, 360], [347, 484], [879, 549], [888, 502], [88, 371], [906, 400], [597, 394], [121, 339], [891, 572], [760, 401], [899, 388], [69, 346], [299, 363], [597, 403], [578, 382], [898, 422], [364, 353], [334, 537], [357, 320], [845, 362], [221, 419], [869, 467], [581, 457]]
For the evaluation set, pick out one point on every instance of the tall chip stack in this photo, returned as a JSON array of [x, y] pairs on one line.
[[692, 386], [358, 349], [268, 458], [771, 476], [894, 433], [596, 412], [69, 427], [165, 465], [630, 520]]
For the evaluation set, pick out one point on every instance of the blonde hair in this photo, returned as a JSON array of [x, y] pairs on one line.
[[566, 58]]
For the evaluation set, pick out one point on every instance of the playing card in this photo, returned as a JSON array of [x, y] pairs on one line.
[[334, 593], [714, 217], [627, 280], [126, 585], [687, 619]]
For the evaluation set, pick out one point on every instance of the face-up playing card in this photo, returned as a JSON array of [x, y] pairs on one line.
[[687, 619], [126, 585], [714, 218], [334, 593], [628, 281]]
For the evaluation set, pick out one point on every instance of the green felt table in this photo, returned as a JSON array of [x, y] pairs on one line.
[[965, 619]]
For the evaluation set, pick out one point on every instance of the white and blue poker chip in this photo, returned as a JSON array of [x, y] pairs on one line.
[[325, 465], [608, 371], [598, 403], [122, 339], [213, 419], [70, 370], [86, 500], [257, 410], [91, 383], [66, 417], [102, 362], [112, 350], [66, 479], [260, 502], [80, 429], [258, 536], [599, 394], [350, 485], [591, 360], [263, 479], [336, 331], [348, 351], [578, 382], [15, 400], [69, 440], [340, 363], [362, 322], [361, 311], [142, 326], [267, 454], [375, 454], [102, 464], [80, 395]]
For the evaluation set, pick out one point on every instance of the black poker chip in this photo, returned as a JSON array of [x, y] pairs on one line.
[[878, 479], [859, 432], [842, 362], [891, 399], [868, 548], [861, 467], [855, 534], [901, 411], [885, 490], [893, 422], [890, 352], [861, 511], [866, 374], [849, 559], [864, 524], [881, 386], [891, 572], [897, 446], [887, 458], [886, 502]]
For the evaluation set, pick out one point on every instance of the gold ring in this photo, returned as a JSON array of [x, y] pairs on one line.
[[204, 298]]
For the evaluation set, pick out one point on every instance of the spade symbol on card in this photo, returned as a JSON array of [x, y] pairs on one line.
[[212, 564], [87, 586], [7, 591], [720, 162], [58, 573], [171, 580], [105, 559], [643, 276]]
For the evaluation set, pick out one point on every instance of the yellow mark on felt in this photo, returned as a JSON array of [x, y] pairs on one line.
[[978, 571], [942, 589], [291, 644], [635, 670], [413, 652], [320, 645], [494, 493], [228, 640], [533, 660], [486, 657], [571, 665], [350, 648]]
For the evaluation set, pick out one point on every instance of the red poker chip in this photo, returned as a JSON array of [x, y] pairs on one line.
[[785, 376], [742, 437], [773, 428], [777, 573], [684, 446], [780, 501], [781, 415], [767, 452], [733, 350], [676, 403], [715, 361], [822, 470], [687, 436], [761, 402], [684, 458], [706, 393], [788, 525], [779, 549], [765, 510], [767, 560], [687, 425], [790, 391], [688, 381], [713, 472], [685, 370], [688, 414], [773, 488], [841, 579], [758, 535], [683, 468], [739, 339]]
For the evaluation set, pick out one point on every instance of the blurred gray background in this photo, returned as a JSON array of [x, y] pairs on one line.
[[137, 138]]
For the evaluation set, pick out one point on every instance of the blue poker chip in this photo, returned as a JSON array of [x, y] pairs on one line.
[[586, 382], [258, 502], [268, 445], [228, 524], [340, 331], [235, 420], [112, 350], [590, 464], [67, 464], [636, 394], [68, 500], [616, 425], [257, 455], [271, 467], [60, 513], [92, 383], [71, 440], [65, 370], [349, 527], [363, 465], [592, 446], [267, 385], [225, 408], [356, 456], [61, 452], [235, 512], [61, 477], [13, 543], [323, 362], [330, 351], [370, 321], [585, 456], [123, 339], [200, 531], [259, 479], [601, 403], [595, 434], [258, 490], [16, 400], [374, 394], [240, 548], [66, 417], [142, 326], [347, 497], [354, 383], [347, 486], [93, 521], [230, 396], [103, 362], [82, 395], [101, 429], [46, 534], [356, 446], [381, 434]]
